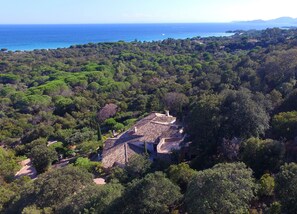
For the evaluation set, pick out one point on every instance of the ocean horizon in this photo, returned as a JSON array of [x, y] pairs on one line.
[[52, 36]]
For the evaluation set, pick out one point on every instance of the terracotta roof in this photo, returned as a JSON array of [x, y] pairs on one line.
[[149, 129]]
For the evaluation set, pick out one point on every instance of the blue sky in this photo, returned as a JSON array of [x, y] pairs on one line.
[[141, 11]]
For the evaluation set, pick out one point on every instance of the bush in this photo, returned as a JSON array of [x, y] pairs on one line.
[[42, 157], [88, 147], [285, 124], [119, 127], [285, 187], [262, 155], [275, 208], [225, 188], [90, 166], [267, 185]]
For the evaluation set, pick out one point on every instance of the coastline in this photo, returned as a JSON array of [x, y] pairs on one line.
[[36, 37]]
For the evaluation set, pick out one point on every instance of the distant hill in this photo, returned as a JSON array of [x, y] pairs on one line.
[[278, 22]]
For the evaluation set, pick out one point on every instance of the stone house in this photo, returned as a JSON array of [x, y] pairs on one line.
[[157, 134]]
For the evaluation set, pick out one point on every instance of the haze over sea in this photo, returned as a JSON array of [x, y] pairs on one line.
[[30, 37]]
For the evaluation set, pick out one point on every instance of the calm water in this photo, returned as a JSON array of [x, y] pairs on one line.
[[29, 37]]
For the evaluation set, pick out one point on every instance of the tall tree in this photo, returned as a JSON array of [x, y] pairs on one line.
[[285, 188], [52, 188], [284, 125], [243, 117], [225, 188], [181, 175], [204, 123], [153, 194], [42, 157], [176, 102], [106, 112], [92, 199], [262, 155]]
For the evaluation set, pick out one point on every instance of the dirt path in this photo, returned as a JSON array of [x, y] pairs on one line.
[[27, 170]]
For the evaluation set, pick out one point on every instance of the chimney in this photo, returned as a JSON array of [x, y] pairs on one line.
[[135, 129], [167, 113]]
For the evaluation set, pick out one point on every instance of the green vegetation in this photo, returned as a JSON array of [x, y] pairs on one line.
[[262, 155], [52, 188], [90, 166], [267, 185], [225, 188], [181, 175], [8, 164], [236, 97], [93, 199], [284, 124], [286, 187], [154, 194], [42, 157]]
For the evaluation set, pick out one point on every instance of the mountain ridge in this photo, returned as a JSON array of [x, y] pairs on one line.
[[285, 20]]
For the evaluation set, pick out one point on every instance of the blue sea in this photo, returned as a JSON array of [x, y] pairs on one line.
[[30, 37]]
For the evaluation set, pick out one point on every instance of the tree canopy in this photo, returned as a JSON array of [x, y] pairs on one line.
[[153, 194], [286, 187], [225, 188]]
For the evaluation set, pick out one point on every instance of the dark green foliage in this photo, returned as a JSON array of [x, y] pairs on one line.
[[33, 103], [81, 136], [10, 191], [139, 103], [231, 114], [285, 188], [112, 124], [243, 116], [6, 195], [64, 105], [280, 69], [267, 185], [289, 104], [119, 174], [88, 165], [92, 199], [41, 131], [204, 126], [225, 188], [262, 155], [285, 125], [176, 102], [89, 147], [275, 208], [26, 148], [8, 165], [138, 166], [181, 175], [153, 194], [52, 188], [42, 157], [9, 78], [37, 210]]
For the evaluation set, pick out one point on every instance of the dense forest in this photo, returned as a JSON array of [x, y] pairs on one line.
[[235, 95]]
